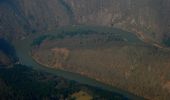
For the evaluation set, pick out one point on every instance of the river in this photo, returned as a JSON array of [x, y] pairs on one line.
[[23, 48]]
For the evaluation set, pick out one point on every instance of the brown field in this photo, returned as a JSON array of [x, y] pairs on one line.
[[139, 68]]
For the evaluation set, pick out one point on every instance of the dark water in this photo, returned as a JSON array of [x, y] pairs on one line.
[[8, 49]]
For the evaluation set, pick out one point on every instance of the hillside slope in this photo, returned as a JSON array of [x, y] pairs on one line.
[[149, 17]]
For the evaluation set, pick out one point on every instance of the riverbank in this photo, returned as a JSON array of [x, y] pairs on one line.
[[23, 48]]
